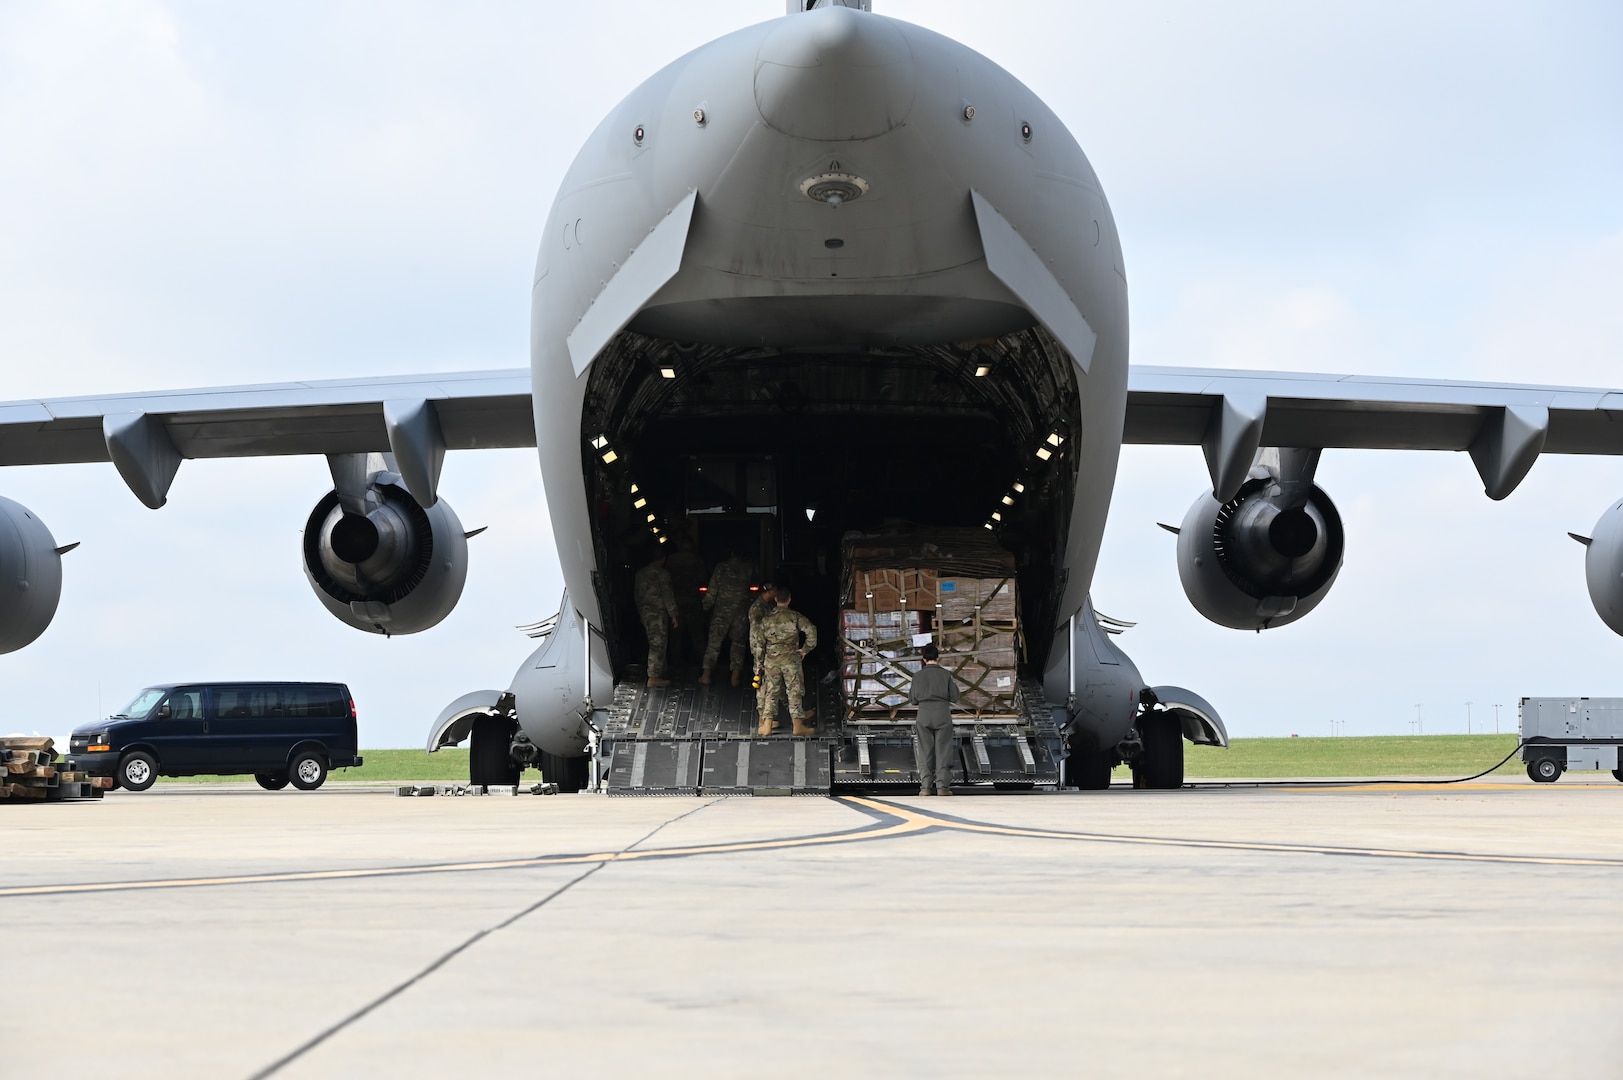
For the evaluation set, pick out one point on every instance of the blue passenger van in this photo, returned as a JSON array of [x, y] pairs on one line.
[[281, 732]]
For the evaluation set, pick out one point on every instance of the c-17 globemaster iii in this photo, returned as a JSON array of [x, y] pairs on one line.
[[784, 272]]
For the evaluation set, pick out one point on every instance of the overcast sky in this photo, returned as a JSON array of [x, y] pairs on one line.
[[204, 194]]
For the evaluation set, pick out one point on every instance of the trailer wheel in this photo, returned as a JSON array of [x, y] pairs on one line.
[[571, 774], [1160, 764], [271, 781], [490, 757], [1544, 770], [1617, 774]]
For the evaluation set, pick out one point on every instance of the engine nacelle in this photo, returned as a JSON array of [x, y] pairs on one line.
[[30, 576], [397, 569], [1256, 561], [1603, 567]]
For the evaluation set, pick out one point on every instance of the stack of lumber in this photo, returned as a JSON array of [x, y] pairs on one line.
[[30, 771], [908, 586]]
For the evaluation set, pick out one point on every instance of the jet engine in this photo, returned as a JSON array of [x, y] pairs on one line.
[[1603, 567], [1264, 558], [30, 576], [397, 568]]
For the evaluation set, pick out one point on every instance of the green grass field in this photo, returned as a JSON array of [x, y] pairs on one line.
[[1375, 755], [1372, 755]]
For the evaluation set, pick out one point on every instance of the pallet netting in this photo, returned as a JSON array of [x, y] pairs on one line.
[[955, 587]]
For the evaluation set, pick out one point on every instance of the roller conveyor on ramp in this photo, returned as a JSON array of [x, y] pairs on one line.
[[702, 740]]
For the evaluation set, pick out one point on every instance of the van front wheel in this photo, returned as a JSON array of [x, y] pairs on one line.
[[137, 771], [309, 771], [271, 781]]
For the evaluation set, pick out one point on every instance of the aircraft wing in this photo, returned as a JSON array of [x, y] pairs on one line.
[[146, 435], [1504, 427]]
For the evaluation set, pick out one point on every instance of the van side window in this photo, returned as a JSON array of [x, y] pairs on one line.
[[186, 705], [246, 702]]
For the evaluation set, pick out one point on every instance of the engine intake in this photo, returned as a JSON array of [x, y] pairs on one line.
[[1258, 561], [397, 569]]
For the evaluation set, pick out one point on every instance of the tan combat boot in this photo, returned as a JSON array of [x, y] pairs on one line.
[[704, 679], [738, 674], [805, 724], [766, 725], [655, 680]]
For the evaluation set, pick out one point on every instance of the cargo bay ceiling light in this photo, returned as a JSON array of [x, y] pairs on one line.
[[983, 370], [668, 372], [640, 503], [834, 188], [1018, 487], [1008, 500]]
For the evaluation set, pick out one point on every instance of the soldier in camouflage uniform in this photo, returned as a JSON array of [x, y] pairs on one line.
[[778, 651], [727, 600], [656, 603], [687, 581], [764, 605]]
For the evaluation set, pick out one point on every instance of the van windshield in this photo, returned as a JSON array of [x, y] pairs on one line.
[[141, 704]]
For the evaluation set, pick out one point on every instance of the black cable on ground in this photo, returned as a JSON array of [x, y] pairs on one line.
[[1365, 783], [287, 1059]]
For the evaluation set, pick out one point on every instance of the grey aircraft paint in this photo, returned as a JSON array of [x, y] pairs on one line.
[[828, 184]]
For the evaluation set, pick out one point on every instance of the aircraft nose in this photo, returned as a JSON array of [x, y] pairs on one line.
[[834, 74]]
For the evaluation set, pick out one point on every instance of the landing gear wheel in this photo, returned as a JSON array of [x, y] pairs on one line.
[[309, 771], [271, 781], [1089, 769], [137, 771], [1160, 764], [571, 774], [490, 757], [1545, 770], [1617, 774]]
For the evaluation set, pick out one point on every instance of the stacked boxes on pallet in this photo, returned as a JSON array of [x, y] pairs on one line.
[[904, 587]]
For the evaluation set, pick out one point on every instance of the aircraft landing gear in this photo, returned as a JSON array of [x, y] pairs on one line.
[[1088, 769], [490, 758], [1159, 765]]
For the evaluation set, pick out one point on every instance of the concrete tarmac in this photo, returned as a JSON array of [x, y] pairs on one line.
[[1394, 931]]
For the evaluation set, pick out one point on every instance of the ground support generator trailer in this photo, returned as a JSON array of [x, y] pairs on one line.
[[1571, 733]]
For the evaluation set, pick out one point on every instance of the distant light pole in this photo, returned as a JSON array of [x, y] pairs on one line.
[[1468, 717], [1417, 728], [1496, 719]]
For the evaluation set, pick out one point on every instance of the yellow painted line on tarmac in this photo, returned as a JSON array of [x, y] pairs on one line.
[[890, 821], [948, 823], [905, 822], [1332, 786]]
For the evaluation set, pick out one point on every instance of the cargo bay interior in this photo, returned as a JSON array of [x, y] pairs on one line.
[[779, 453]]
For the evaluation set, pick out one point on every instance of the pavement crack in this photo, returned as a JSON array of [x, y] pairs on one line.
[[446, 957]]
